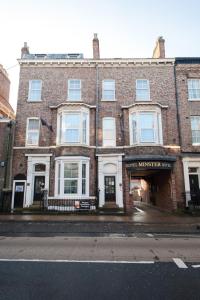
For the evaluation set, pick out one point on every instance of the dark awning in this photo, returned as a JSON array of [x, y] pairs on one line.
[[149, 162], [131, 158]]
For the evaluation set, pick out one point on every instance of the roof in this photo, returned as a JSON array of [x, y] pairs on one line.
[[187, 60]]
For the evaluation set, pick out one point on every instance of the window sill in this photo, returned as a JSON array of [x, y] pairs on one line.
[[105, 100], [73, 144], [194, 99], [195, 144], [146, 145], [138, 100]]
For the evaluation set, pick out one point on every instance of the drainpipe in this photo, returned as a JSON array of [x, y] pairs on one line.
[[177, 111], [177, 106], [97, 130]]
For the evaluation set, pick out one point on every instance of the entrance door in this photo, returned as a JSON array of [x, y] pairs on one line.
[[194, 187], [19, 192], [110, 194], [38, 185]]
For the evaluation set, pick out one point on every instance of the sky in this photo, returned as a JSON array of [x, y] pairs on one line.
[[126, 28]]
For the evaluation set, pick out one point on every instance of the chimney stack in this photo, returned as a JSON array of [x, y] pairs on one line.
[[24, 50], [159, 50], [96, 54]]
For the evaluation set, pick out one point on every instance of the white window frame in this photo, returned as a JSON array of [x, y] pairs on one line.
[[73, 89], [137, 89], [81, 112], [193, 99], [27, 131], [80, 160], [30, 90], [104, 89], [193, 143], [158, 127], [113, 140]]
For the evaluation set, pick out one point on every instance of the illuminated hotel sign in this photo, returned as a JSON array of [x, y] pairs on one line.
[[150, 165]]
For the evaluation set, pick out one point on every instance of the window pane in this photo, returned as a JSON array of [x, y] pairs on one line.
[[40, 168], [70, 186], [109, 138], [147, 120], [74, 95], [75, 84], [71, 170], [194, 88], [71, 136], [108, 90], [59, 175], [32, 138], [33, 124], [84, 128], [35, 87], [142, 84], [147, 135], [83, 179], [134, 128], [142, 90]]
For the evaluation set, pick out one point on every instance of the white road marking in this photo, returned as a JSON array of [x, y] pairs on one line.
[[180, 263], [77, 261], [138, 209], [149, 234], [196, 266]]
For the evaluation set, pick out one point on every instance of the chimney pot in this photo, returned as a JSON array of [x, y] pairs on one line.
[[24, 50], [159, 50], [96, 52]]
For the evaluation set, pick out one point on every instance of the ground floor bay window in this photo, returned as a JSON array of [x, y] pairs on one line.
[[72, 177]]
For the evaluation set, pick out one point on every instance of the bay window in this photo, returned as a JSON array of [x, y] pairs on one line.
[[72, 176], [73, 127], [145, 127]]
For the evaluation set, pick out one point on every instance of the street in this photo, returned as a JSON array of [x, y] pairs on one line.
[[144, 266]]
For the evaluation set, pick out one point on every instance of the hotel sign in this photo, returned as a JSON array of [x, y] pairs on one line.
[[150, 165]]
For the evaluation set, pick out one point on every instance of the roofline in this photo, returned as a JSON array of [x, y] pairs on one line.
[[94, 62]]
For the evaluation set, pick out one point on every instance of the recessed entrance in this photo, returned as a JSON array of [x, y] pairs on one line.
[[110, 189], [39, 183]]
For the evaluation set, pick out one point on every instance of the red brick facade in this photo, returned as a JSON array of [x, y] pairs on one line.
[[165, 186]]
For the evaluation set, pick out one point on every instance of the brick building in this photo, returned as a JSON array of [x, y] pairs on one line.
[[6, 131], [188, 97], [101, 130]]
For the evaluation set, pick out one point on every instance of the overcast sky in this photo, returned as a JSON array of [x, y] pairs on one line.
[[126, 28]]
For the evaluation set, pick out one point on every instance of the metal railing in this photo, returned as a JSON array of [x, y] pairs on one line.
[[77, 204], [192, 199]]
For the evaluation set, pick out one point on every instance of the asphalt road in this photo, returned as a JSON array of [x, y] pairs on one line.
[[111, 248], [97, 281]]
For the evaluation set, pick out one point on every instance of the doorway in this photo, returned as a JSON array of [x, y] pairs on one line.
[[110, 189], [194, 187], [18, 195], [39, 183]]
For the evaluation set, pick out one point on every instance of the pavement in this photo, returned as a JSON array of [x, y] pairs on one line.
[[144, 219]]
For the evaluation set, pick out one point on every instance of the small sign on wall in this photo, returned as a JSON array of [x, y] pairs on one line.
[[19, 188]]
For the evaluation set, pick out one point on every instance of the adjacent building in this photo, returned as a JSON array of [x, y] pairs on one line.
[[188, 97], [99, 133], [6, 132]]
